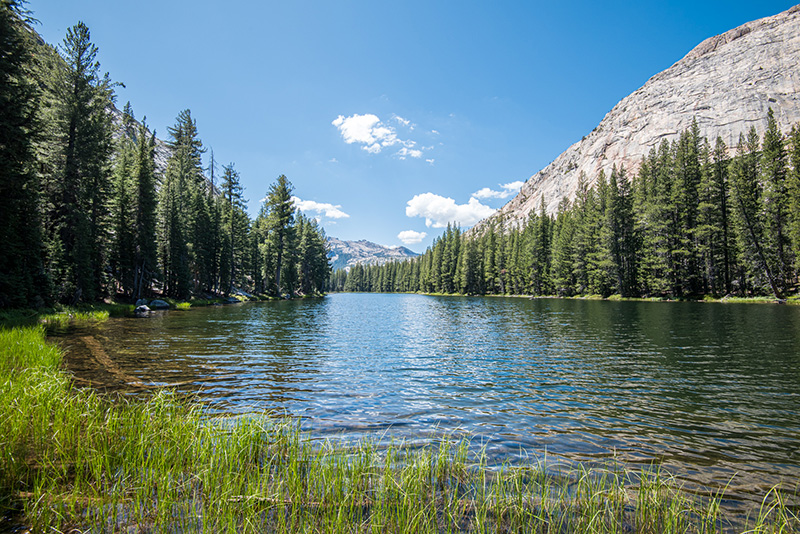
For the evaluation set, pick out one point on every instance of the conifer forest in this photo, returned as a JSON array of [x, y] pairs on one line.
[[696, 220], [85, 214]]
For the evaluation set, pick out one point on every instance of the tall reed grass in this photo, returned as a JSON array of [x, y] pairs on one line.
[[71, 459]]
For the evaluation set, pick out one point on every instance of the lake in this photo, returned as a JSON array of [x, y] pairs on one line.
[[710, 391]]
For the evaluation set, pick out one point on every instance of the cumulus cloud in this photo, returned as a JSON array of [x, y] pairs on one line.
[[320, 208], [404, 152], [439, 210], [373, 135], [366, 130], [507, 190], [410, 237]]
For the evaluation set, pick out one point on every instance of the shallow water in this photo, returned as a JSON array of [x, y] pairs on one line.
[[709, 391]]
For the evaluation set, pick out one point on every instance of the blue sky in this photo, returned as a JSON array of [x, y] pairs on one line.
[[389, 118]]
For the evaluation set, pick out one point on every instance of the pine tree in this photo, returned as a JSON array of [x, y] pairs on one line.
[[145, 206], [665, 224], [489, 248], [643, 198], [583, 208], [563, 276], [211, 241], [720, 173], [280, 224], [539, 255], [748, 194], [79, 183], [468, 282], [122, 207], [313, 267], [22, 280], [794, 194], [776, 203], [687, 170], [236, 234], [620, 240], [598, 260], [183, 181]]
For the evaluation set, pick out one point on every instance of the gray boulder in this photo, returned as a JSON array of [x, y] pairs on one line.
[[141, 311], [159, 305], [142, 302]]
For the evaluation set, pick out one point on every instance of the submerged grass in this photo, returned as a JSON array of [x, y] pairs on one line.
[[71, 459]]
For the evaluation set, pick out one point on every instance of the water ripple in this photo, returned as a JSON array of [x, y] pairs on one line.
[[708, 390]]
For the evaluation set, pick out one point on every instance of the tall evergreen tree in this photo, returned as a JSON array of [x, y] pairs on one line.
[[235, 227], [313, 268], [183, 181], [79, 184], [748, 193], [470, 272], [145, 205], [280, 225], [122, 258], [794, 194], [563, 258], [685, 196], [776, 203], [620, 239], [22, 280]]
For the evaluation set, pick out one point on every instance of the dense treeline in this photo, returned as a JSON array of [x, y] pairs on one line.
[[85, 215], [692, 222]]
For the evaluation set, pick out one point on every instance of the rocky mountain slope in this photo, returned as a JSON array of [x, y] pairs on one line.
[[345, 254], [161, 152], [727, 83]]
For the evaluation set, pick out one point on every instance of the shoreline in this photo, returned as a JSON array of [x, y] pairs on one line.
[[790, 301], [75, 459]]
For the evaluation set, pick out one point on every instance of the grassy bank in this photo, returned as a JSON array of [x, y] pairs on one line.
[[71, 459], [62, 315], [100, 311]]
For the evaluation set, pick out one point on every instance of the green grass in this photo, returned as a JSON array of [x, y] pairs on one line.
[[71, 459], [63, 315]]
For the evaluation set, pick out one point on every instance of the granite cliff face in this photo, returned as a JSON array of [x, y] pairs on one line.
[[345, 254], [161, 152], [727, 83]]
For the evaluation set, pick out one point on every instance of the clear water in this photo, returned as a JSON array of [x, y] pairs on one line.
[[709, 391]]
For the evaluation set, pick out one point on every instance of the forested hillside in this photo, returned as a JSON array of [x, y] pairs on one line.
[[691, 222], [84, 215]]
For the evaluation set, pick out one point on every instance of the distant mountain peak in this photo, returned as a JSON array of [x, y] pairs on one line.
[[345, 254]]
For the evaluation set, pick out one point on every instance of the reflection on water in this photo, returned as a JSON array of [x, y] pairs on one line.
[[707, 390]]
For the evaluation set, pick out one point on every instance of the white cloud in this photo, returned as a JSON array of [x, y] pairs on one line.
[[322, 209], [373, 135], [366, 130], [401, 120], [509, 189], [410, 237], [408, 152], [439, 210], [430, 161]]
